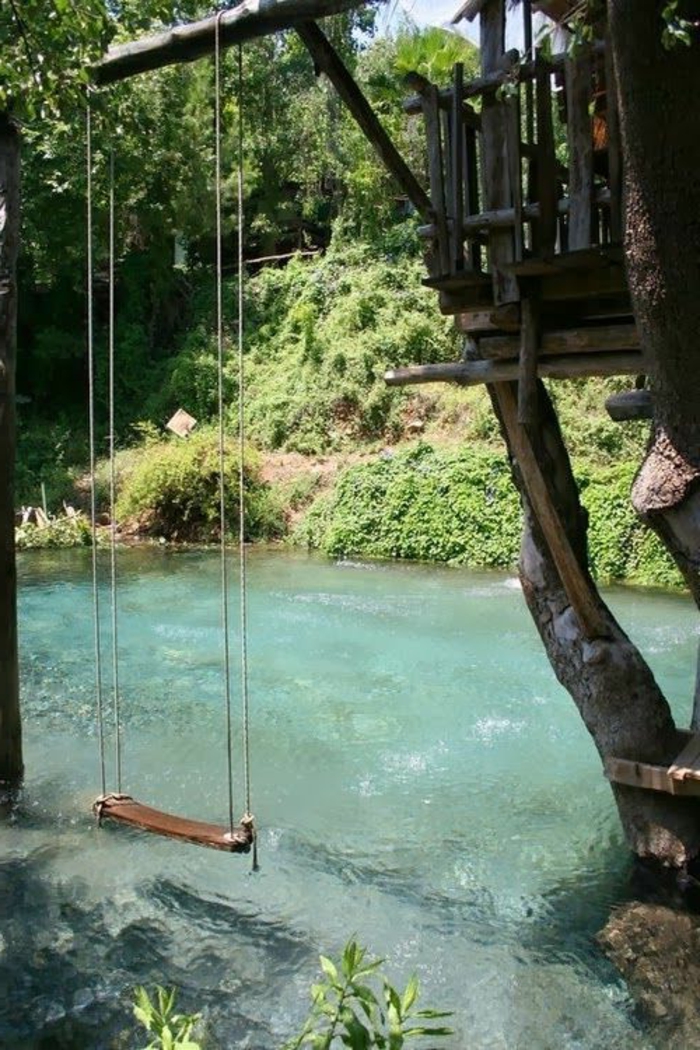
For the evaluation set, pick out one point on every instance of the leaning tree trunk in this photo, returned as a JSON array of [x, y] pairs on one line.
[[611, 684], [660, 122], [10, 727]]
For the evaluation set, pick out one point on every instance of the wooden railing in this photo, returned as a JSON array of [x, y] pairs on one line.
[[546, 140]]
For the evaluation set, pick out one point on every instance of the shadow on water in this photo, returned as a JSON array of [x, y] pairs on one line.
[[68, 965]]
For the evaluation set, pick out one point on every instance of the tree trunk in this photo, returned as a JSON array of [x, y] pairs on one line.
[[11, 765], [660, 124], [611, 684]]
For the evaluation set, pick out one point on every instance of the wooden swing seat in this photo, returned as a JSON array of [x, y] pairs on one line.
[[682, 777], [126, 810]]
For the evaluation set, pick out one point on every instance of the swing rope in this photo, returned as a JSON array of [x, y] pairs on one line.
[[222, 441], [112, 495], [93, 487], [241, 474], [118, 806]]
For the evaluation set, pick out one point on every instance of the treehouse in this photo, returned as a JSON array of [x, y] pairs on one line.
[[524, 245]]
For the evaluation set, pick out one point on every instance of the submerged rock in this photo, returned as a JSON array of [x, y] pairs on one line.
[[657, 950]]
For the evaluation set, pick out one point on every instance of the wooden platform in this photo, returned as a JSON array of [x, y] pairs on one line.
[[126, 810], [682, 777]]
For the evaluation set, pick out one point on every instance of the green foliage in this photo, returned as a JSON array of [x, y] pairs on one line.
[[171, 488], [621, 547], [433, 53], [461, 507], [168, 1030], [423, 505], [354, 1006], [59, 533], [677, 30]]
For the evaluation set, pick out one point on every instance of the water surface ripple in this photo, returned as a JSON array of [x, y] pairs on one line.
[[419, 778]]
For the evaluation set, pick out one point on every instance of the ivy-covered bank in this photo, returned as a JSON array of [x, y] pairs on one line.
[[461, 507]]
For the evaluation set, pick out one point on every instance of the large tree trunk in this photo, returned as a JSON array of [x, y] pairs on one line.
[[660, 123], [611, 684], [11, 766]]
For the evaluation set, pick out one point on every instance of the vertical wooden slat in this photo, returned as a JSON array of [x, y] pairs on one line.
[[11, 766], [513, 140], [457, 169], [579, 130], [546, 164], [527, 377], [471, 177], [431, 112], [614, 150], [495, 170]]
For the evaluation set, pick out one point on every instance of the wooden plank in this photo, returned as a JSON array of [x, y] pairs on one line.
[[469, 10], [614, 150], [501, 319], [497, 191], [527, 373], [579, 89], [513, 144], [596, 339], [11, 764], [472, 373], [575, 581], [686, 766], [437, 176], [185, 43], [471, 177], [329, 61], [126, 810], [584, 284], [631, 404], [649, 777], [457, 167], [547, 193]]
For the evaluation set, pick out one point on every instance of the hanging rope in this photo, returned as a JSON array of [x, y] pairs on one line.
[[91, 427], [112, 496], [222, 441], [241, 475]]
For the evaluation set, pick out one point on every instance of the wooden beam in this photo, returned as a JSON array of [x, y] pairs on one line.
[[437, 177], [579, 128], [631, 404], [596, 339], [185, 43], [469, 10], [496, 180], [472, 373], [574, 579], [527, 374], [11, 763], [327, 59], [649, 777]]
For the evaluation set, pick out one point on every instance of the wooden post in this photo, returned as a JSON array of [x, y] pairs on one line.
[[579, 88], [496, 174], [11, 764]]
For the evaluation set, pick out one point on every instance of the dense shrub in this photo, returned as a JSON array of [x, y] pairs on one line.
[[171, 488], [423, 504], [60, 532], [461, 507]]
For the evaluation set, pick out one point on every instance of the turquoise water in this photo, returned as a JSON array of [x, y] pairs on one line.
[[418, 776]]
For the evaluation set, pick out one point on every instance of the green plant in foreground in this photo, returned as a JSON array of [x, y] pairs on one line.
[[348, 1011], [168, 1030]]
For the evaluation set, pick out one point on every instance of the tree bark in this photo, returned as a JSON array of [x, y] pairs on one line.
[[660, 125], [11, 764], [611, 684]]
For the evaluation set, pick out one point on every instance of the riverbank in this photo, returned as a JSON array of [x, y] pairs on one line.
[[417, 501]]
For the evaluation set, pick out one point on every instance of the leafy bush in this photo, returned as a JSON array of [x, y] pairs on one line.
[[60, 532], [348, 1011], [424, 505], [171, 488], [169, 1031], [461, 507]]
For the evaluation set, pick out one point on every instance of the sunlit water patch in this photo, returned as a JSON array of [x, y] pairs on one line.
[[419, 779]]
